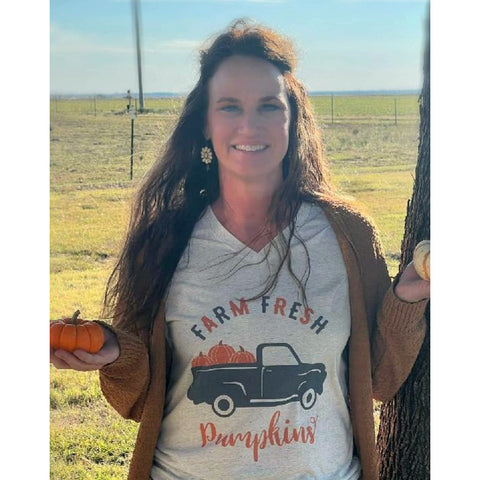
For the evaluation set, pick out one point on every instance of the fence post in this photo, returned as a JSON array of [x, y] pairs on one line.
[[132, 122], [94, 106], [129, 96]]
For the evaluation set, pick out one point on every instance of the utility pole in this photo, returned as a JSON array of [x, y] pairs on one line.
[[139, 57]]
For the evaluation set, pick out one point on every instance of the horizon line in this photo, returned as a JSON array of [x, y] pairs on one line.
[[378, 91]]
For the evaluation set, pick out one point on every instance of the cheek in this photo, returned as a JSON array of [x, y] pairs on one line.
[[217, 128]]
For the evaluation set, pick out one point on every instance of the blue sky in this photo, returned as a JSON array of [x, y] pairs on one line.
[[342, 44]]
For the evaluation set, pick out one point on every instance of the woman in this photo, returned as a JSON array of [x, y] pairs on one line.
[[253, 316]]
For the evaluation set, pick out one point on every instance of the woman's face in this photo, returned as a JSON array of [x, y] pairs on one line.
[[248, 119]]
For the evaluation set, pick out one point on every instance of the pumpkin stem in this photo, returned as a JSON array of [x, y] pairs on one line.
[[75, 316]]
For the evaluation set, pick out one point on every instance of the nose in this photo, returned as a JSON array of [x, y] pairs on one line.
[[249, 123]]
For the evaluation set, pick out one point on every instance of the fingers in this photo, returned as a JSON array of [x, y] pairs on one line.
[[63, 360], [89, 358], [411, 274], [85, 357], [58, 362], [411, 287]]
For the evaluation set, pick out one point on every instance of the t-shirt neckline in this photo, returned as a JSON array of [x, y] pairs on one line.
[[231, 239]]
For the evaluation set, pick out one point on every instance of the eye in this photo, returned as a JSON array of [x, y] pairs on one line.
[[270, 107], [230, 108]]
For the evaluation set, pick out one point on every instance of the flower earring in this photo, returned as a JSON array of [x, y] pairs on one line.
[[206, 155]]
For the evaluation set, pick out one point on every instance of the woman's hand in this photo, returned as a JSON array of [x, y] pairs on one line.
[[411, 287], [83, 361]]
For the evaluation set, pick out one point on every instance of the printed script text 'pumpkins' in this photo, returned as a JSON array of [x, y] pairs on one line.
[[73, 333]]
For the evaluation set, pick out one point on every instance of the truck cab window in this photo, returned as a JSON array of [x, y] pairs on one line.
[[278, 356]]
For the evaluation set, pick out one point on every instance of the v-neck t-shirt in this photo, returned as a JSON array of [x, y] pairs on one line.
[[258, 385]]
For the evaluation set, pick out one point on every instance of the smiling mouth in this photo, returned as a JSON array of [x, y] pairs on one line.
[[250, 148]]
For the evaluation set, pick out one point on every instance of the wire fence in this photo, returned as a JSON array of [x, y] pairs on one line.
[[329, 109], [94, 142], [99, 105]]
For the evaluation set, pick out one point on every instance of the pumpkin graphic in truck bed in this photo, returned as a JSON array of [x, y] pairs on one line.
[[276, 377]]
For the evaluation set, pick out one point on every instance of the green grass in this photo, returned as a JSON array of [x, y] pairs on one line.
[[88, 439], [366, 108], [372, 159]]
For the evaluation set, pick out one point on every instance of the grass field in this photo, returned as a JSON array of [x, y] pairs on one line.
[[373, 160]]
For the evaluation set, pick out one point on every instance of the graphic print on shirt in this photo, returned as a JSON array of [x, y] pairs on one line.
[[227, 379], [273, 375]]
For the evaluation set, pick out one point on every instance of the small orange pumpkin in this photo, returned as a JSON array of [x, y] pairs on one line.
[[221, 353], [201, 361], [242, 356], [73, 333]]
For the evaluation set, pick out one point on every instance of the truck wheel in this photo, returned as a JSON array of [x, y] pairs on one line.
[[223, 405], [308, 397]]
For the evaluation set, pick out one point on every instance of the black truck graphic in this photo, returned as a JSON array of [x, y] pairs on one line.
[[277, 377]]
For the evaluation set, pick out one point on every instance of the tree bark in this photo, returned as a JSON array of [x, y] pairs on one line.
[[403, 442]]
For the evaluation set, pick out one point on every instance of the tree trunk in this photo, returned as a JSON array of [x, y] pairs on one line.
[[403, 442]]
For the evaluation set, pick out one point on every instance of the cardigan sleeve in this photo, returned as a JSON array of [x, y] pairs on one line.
[[398, 337], [396, 328], [125, 381]]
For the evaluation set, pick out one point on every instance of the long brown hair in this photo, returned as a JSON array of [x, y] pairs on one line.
[[177, 189]]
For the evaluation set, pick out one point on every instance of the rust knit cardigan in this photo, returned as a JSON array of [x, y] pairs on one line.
[[386, 336]]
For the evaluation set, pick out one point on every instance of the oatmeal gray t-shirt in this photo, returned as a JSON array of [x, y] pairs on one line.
[[258, 387]]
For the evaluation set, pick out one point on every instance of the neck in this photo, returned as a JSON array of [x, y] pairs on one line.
[[248, 207], [243, 208]]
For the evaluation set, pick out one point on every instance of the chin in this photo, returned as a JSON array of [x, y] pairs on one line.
[[255, 174]]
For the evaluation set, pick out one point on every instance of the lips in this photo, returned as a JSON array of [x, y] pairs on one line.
[[250, 148]]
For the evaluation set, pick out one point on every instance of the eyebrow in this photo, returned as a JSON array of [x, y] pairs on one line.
[[236, 100]]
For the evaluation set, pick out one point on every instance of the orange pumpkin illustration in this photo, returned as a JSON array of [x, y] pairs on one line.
[[243, 356], [221, 353], [201, 361]]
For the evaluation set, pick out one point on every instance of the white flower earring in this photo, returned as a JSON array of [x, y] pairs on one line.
[[206, 155]]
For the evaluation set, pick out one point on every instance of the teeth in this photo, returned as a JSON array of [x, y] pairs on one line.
[[250, 148]]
